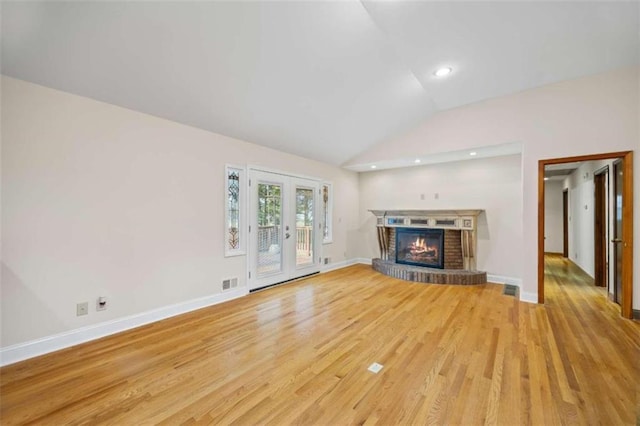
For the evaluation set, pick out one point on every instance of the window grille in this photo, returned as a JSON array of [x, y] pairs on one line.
[[234, 211]]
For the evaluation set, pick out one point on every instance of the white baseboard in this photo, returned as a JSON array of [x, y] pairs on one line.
[[21, 351], [528, 297], [524, 295], [501, 279], [337, 265], [344, 264]]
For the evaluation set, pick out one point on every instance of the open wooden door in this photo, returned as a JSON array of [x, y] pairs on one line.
[[565, 223], [618, 246], [600, 227]]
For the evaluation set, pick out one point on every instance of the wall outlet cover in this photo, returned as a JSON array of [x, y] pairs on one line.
[[82, 308]]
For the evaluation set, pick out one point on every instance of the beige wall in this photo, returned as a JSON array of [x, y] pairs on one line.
[[101, 200], [594, 114], [491, 184], [553, 229]]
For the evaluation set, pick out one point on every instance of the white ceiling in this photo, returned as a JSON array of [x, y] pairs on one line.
[[324, 80], [560, 171]]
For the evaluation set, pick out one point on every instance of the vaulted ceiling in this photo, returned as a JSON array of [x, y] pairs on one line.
[[324, 80]]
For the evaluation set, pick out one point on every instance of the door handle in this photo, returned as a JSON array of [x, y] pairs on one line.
[[616, 240]]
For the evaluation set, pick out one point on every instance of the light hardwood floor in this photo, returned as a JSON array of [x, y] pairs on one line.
[[299, 353]]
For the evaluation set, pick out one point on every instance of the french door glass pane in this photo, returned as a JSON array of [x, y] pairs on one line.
[[269, 228], [304, 226]]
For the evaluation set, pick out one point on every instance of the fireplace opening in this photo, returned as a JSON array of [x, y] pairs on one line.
[[420, 247]]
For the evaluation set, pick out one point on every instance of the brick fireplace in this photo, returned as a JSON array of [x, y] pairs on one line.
[[459, 229]]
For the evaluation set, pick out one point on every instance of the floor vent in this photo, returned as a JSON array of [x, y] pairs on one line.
[[510, 290], [230, 283]]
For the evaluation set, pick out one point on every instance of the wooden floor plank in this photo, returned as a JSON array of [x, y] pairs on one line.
[[298, 354]]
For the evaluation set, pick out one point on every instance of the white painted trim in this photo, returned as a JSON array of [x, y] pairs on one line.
[[21, 351], [281, 172], [363, 260], [500, 279], [338, 265], [525, 296], [528, 297]]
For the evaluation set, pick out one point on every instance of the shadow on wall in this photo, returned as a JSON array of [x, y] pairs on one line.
[[366, 241], [483, 227], [17, 318]]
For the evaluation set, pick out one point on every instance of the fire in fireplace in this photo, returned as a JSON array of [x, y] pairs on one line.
[[420, 247]]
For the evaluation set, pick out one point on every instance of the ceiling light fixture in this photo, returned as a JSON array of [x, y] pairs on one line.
[[441, 72], [417, 160], [546, 178], [473, 153], [373, 166]]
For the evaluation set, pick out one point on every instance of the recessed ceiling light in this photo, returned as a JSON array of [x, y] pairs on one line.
[[417, 160], [441, 72], [373, 166], [473, 153]]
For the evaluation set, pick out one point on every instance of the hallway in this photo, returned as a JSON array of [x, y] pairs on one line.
[[598, 347]]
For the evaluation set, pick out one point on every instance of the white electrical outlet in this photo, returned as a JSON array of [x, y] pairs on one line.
[[82, 309]]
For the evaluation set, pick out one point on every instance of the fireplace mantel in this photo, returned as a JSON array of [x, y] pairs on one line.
[[464, 221], [437, 219]]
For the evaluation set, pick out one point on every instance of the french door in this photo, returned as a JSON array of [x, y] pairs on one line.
[[284, 233]]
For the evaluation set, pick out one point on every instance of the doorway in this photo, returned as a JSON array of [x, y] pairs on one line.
[[626, 225], [284, 234]]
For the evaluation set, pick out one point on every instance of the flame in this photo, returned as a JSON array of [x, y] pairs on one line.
[[420, 246]]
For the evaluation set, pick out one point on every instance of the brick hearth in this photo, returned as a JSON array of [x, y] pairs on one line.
[[429, 275]]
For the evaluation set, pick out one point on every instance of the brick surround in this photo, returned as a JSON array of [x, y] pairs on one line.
[[452, 249]]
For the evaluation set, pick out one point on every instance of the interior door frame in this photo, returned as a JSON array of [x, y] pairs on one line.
[[627, 225], [317, 243]]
